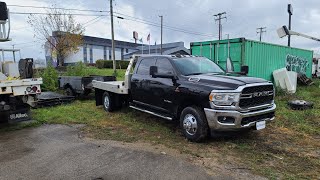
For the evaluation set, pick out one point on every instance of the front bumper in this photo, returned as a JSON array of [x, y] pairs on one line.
[[241, 120]]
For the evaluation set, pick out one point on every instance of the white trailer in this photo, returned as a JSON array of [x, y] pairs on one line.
[[16, 94]]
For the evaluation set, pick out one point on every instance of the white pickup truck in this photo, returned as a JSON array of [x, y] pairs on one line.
[[18, 91], [16, 96]]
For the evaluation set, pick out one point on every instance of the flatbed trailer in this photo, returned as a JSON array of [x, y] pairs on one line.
[[78, 85]]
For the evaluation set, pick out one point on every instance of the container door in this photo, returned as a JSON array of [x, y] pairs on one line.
[[235, 55]]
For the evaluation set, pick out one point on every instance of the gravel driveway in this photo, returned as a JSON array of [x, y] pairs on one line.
[[59, 152]]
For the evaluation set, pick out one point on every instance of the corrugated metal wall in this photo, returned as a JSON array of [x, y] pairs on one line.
[[218, 52], [262, 58]]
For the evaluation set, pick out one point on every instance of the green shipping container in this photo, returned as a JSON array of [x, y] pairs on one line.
[[262, 58]]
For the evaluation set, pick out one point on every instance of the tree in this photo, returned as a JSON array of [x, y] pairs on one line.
[[60, 30]]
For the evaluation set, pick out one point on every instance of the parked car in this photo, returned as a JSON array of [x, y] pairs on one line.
[[193, 90]]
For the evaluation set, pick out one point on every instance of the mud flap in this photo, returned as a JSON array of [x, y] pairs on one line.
[[14, 116]]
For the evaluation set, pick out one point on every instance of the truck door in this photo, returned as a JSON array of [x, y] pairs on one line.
[[162, 89], [139, 87]]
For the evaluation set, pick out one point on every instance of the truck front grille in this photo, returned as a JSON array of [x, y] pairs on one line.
[[256, 96]]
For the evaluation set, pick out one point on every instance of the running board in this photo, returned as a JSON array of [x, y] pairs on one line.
[[150, 112]]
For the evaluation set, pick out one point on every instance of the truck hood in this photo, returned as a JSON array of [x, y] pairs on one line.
[[226, 81]]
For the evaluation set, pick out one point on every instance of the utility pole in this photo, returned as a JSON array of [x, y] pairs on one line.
[[112, 34], [260, 31], [218, 18], [290, 11], [161, 33]]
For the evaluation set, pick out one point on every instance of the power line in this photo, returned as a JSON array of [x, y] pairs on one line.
[[68, 9], [18, 44], [169, 27], [131, 19], [165, 26], [260, 31], [58, 14], [219, 18], [94, 20]]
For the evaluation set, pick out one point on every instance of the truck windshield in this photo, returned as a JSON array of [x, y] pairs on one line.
[[196, 65]]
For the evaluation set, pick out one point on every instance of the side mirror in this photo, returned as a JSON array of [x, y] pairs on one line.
[[244, 70], [153, 71]]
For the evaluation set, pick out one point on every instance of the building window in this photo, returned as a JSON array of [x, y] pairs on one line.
[[105, 53], [85, 57], [91, 55]]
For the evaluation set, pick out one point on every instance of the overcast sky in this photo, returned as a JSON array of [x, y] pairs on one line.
[[184, 20]]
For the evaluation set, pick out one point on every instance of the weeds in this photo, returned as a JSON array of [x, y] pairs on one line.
[[50, 78]]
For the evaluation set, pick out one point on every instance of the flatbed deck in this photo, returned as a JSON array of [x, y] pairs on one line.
[[117, 87], [20, 82]]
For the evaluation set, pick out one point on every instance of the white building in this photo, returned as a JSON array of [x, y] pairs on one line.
[[94, 48]]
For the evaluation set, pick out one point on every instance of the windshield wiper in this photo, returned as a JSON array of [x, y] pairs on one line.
[[198, 73], [215, 73]]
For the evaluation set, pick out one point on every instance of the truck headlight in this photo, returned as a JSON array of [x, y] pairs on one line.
[[224, 99]]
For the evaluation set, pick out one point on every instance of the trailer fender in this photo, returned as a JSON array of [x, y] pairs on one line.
[[98, 96]]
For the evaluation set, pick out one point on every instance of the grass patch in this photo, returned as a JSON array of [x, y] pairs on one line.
[[287, 149], [81, 69]]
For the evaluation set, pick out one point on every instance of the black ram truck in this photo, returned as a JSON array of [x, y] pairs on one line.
[[193, 90]]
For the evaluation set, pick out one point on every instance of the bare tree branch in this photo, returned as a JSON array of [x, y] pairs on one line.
[[60, 30]]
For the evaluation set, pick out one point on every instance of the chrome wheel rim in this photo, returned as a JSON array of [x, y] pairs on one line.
[[106, 102], [190, 124]]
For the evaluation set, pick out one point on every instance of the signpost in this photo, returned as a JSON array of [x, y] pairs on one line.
[[135, 36]]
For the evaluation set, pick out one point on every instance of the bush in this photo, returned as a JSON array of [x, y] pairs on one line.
[[109, 64], [50, 78], [79, 69], [100, 64]]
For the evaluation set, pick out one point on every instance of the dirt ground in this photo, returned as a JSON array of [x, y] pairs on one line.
[[64, 152]]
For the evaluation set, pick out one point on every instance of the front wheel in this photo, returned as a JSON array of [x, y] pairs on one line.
[[194, 124]]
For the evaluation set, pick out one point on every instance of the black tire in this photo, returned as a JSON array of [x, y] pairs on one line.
[[194, 124], [110, 105], [69, 91]]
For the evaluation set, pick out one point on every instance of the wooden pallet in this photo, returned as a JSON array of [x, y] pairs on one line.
[[303, 79]]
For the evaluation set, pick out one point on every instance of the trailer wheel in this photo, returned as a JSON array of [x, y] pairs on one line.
[[108, 102], [69, 91]]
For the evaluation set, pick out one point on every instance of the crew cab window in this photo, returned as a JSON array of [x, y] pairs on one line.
[[144, 66], [164, 66]]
